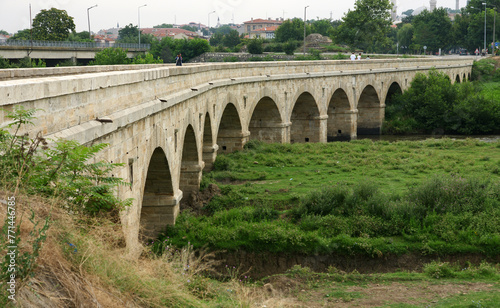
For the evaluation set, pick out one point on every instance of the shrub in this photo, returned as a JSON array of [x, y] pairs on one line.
[[255, 46], [289, 47], [111, 56], [439, 270]]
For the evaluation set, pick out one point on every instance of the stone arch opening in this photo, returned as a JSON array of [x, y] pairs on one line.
[[464, 78], [230, 137], [209, 148], [390, 109], [190, 176], [340, 117], [457, 79], [158, 202], [266, 124], [370, 113], [305, 120], [468, 76]]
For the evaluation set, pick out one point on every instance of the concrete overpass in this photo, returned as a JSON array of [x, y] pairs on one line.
[[169, 123]]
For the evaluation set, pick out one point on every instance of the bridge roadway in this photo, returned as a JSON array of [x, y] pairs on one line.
[[167, 124]]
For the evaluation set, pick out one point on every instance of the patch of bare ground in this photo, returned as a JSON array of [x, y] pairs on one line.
[[300, 293]]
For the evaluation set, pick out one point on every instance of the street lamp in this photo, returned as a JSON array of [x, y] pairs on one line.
[[209, 21], [485, 50], [305, 29], [88, 17], [139, 22]]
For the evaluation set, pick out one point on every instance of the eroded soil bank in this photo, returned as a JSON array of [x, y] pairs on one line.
[[259, 265]]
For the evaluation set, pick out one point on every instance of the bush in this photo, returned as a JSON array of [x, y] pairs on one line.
[[289, 47], [255, 46], [439, 270], [111, 56]]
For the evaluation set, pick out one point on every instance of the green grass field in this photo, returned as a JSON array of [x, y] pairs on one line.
[[363, 197]]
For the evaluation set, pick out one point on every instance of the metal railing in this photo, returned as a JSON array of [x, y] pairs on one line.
[[67, 44]]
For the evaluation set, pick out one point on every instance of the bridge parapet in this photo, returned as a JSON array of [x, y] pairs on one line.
[[69, 100]]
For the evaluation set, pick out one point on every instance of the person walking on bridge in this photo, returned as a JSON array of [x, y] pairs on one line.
[[178, 60]]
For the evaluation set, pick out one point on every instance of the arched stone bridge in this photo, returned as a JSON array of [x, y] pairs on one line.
[[169, 123]]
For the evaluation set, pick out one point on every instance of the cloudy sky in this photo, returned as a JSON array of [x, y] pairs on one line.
[[14, 14]]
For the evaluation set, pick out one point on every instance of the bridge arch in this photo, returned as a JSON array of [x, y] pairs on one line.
[[266, 121], [340, 121], [190, 168], [230, 136], [457, 79], [305, 119], [370, 112], [158, 196]]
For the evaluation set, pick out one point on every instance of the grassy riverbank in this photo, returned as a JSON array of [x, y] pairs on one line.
[[370, 198]]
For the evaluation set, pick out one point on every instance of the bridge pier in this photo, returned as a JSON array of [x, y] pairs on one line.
[[370, 120], [209, 155], [158, 211], [190, 179], [232, 140], [342, 125]]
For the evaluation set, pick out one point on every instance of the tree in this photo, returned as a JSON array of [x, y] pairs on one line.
[[432, 29], [231, 39], [79, 37], [367, 26], [255, 46], [22, 35], [405, 36], [111, 56], [216, 39], [168, 48], [3, 32], [52, 25], [189, 28], [322, 27], [291, 30], [164, 26], [129, 34]]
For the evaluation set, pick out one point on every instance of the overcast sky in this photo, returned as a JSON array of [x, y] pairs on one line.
[[14, 14]]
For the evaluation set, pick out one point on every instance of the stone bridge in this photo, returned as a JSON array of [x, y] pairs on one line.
[[167, 124]]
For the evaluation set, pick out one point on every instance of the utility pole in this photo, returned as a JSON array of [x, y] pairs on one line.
[[88, 17], [305, 29], [139, 22]]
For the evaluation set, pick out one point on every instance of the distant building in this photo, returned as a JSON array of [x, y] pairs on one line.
[[256, 24], [432, 5], [3, 38], [265, 33]]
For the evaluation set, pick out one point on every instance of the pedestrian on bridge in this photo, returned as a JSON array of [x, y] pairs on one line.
[[178, 60]]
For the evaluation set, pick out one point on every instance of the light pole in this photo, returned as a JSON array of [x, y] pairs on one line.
[[88, 18], [485, 50], [305, 29], [139, 22], [209, 21]]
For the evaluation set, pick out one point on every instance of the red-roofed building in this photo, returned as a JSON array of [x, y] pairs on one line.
[[256, 24], [265, 33]]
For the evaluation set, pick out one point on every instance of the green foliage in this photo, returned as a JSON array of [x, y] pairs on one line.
[[168, 48], [146, 59], [52, 25], [129, 34], [79, 37], [164, 25], [433, 104], [255, 46], [439, 270], [289, 47], [111, 56], [63, 170], [23, 35], [366, 26], [291, 30], [483, 69], [377, 199], [432, 29]]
